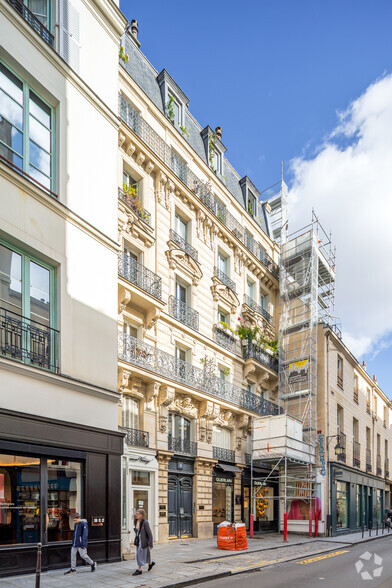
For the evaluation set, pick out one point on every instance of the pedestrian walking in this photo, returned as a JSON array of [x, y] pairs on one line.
[[143, 542], [79, 545]]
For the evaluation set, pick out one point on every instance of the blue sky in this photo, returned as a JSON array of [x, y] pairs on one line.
[[274, 75]]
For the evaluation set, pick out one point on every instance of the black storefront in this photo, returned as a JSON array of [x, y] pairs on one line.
[[265, 505], [356, 499], [48, 471]]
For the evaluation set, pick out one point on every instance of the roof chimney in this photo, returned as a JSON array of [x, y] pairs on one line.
[[218, 133], [375, 378], [364, 365], [134, 28]]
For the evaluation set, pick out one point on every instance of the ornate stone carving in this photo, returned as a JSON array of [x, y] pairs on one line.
[[225, 295], [130, 149], [152, 316], [184, 405], [226, 419], [124, 297], [149, 167], [121, 138], [178, 259], [166, 395], [163, 422], [160, 189], [140, 157], [129, 222], [152, 392], [129, 383]]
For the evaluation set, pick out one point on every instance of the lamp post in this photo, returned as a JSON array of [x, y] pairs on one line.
[[339, 448]]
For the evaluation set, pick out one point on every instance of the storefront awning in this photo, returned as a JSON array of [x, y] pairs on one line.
[[228, 468]]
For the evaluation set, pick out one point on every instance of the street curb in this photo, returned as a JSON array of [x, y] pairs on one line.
[[287, 544], [364, 540]]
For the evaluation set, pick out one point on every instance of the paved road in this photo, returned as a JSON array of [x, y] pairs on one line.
[[336, 569]]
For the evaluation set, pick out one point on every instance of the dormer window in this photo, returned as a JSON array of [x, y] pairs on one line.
[[251, 196], [252, 203], [174, 110], [174, 101], [215, 159], [214, 149]]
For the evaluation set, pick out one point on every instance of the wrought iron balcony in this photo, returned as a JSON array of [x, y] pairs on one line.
[[356, 454], [355, 395], [340, 381], [342, 441], [224, 339], [136, 438], [182, 244], [368, 460], [223, 454], [379, 469], [142, 277], [224, 279], [150, 137], [33, 21], [257, 308], [28, 341], [386, 467], [159, 362], [135, 204], [183, 313], [182, 446], [259, 353]]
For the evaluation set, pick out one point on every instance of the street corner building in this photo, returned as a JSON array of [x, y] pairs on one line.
[[60, 448], [198, 301]]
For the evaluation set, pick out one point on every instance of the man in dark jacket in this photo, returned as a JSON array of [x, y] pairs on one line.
[[79, 545]]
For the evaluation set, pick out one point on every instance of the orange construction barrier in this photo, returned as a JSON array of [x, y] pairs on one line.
[[232, 536]]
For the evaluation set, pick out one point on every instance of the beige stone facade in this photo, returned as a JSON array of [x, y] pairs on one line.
[[185, 266]]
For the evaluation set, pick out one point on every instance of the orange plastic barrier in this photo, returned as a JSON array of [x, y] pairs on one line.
[[232, 537]]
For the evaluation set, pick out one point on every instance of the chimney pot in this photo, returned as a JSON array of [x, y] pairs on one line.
[[218, 133], [134, 28]]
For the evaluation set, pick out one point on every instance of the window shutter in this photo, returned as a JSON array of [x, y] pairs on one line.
[[69, 34]]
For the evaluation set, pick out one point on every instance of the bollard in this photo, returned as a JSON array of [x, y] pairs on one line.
[[370, 529], [363, 529], [38, 568], [376, 527], [383, 529], [285, 526], [251, 525]]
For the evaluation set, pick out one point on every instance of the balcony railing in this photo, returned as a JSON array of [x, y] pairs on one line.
[[368, 460], [355, 396], [224, 279], [159, 362], [259, 353], [135, 204], [342, 442], [368, 407], [33, 21], [183, 313], [28, 341], [136, 438], [142, 277], [182, 244], [182, 446], [224, 339], [142, 129], [386, 467], [340, 381], [257, 308], [379, 469], [356, 454], [223, 454]]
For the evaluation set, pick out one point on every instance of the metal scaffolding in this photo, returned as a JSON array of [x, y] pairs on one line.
[[287, 443]]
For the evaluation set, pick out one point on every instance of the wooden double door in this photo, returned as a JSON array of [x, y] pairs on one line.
[[180, 505]]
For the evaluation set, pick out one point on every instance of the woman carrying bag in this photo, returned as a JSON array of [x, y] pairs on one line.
[[143, 542]]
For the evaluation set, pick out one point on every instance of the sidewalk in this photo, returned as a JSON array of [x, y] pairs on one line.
[[191, 561]]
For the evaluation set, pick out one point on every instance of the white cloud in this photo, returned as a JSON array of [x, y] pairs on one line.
[[349, 183]]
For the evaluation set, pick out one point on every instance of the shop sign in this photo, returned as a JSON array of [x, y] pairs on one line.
[[338, 473], [298, 371], [223, 480], [322, 453]]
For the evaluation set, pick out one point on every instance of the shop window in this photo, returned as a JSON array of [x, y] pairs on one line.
[[358, 504], [20, 493], [64, 498], [222, 500], [27, 303], [341, 505], [140, 478]]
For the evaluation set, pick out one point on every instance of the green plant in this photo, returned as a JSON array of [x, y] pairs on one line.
[[122, 55], [250, 208], [184, 130], [212, 146], [226, 372], [203, 360], [170, 109], [131, 192]]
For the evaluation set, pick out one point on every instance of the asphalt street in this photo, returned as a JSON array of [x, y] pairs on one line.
[[368, 564]]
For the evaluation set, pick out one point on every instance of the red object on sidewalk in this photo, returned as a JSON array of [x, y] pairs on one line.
[[232, 537], [285, 526], [316, 523], [310, 519], [251, 525]]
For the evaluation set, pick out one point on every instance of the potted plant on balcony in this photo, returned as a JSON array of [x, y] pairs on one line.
[[122, 55]]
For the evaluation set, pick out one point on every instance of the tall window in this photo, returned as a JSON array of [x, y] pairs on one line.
[[368, 439], [223, 265], [375, 407], [252, 203], [41, 10], [130, 182], [355, 429], [250, 289], [221, 437], [27, 309], [130, 412], [385, 413], [179, 427], [368, 400], [26, 129], [181, 292], [181, 228], [264, 301], [340, 372], [356, 386], [339, 419]]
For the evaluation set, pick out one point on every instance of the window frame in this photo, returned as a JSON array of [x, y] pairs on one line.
[[49, 15], [26, 88]]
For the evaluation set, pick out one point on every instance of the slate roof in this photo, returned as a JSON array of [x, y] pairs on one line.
[[145, 76]]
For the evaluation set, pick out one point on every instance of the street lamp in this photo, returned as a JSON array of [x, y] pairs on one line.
[[339, 448]]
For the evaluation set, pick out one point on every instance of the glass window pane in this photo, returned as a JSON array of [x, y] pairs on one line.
[[11, 84], [41, 178], [64, 498], [140, 478], [186, 430], [40, 110], [40, 158], [11, 156], [130, 413], [40, 9], [39, 134], [39, 294], [10, 110], [19, 499], [10, 280]]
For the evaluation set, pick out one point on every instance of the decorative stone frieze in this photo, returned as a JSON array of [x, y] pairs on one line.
[[225, 295], [130, 384], [178, 259], [185, 406], [131, 224]]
